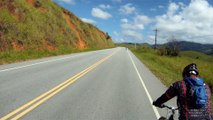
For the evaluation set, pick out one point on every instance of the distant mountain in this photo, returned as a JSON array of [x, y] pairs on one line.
[[205, 48], [192, 46]]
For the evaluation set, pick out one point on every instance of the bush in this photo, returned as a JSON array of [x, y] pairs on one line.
[[168, 51], [37, 4], [108, 36], [162, 51]]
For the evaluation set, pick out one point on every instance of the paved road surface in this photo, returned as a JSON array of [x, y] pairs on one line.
[[109, 84]]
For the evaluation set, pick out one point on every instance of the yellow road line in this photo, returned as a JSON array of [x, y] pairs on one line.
[[47, 97], [36, 99], [44, 97]]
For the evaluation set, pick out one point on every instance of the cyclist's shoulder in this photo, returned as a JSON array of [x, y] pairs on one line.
[[177, 83], [175, 86]]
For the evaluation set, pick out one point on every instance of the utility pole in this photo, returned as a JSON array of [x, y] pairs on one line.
[[156, 32]]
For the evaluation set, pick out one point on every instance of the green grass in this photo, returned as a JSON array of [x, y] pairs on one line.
[[12, 56], [169, 69]]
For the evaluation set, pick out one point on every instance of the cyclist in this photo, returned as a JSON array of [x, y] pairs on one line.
[[187, 110]]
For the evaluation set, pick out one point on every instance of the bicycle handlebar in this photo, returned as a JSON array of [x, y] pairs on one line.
[[170, 107]]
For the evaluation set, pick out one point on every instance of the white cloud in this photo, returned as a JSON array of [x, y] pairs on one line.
[[119, 40], [150, 39], [141, 19], [133, 28], [127, 9], [137, 24], [105, 6], [88, 20], [173, 7], [133, 34], [97, 12], [187, 22], [124, 20], [72, 2], [116, 33]]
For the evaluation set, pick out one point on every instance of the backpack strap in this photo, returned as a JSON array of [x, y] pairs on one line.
[[184, 92], [208, 95]]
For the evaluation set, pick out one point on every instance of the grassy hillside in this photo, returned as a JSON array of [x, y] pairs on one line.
[[36, 28]]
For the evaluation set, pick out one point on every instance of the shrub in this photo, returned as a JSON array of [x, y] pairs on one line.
[[169, 50], [37, 4], [108, 36]]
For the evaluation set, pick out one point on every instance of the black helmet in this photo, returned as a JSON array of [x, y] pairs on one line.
[[190, 69]]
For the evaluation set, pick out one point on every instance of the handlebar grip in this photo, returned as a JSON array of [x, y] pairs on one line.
[[163, 106], [169, 107]]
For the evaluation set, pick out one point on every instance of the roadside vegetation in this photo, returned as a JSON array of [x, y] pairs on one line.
[[37, 28], [12, 56], [169, 68]]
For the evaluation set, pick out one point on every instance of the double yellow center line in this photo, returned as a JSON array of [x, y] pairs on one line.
[[23, 110]]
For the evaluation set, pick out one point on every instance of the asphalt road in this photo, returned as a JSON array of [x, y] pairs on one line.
[[109, 84]]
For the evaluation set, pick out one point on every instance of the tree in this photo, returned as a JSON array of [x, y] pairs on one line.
[[108, 36], [173, 47]]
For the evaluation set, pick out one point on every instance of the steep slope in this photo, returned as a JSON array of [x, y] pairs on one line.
[[39, 25]]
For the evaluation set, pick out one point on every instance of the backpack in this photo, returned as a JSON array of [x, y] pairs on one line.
[[197, 91]]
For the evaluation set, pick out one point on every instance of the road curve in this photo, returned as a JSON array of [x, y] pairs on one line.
[[109, 84]]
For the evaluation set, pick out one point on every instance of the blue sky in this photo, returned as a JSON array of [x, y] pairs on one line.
[[135, 20]]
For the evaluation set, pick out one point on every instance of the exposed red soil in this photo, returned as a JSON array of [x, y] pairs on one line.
[[30, 2], [17, 46], [17, 14], [102, 34], [12, 8], [49, 46], [79, 22], [81, 43]]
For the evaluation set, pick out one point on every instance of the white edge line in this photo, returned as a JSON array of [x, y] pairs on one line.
[[144, 86]]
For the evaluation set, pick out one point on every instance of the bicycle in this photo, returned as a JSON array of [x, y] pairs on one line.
[[170, 112]]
